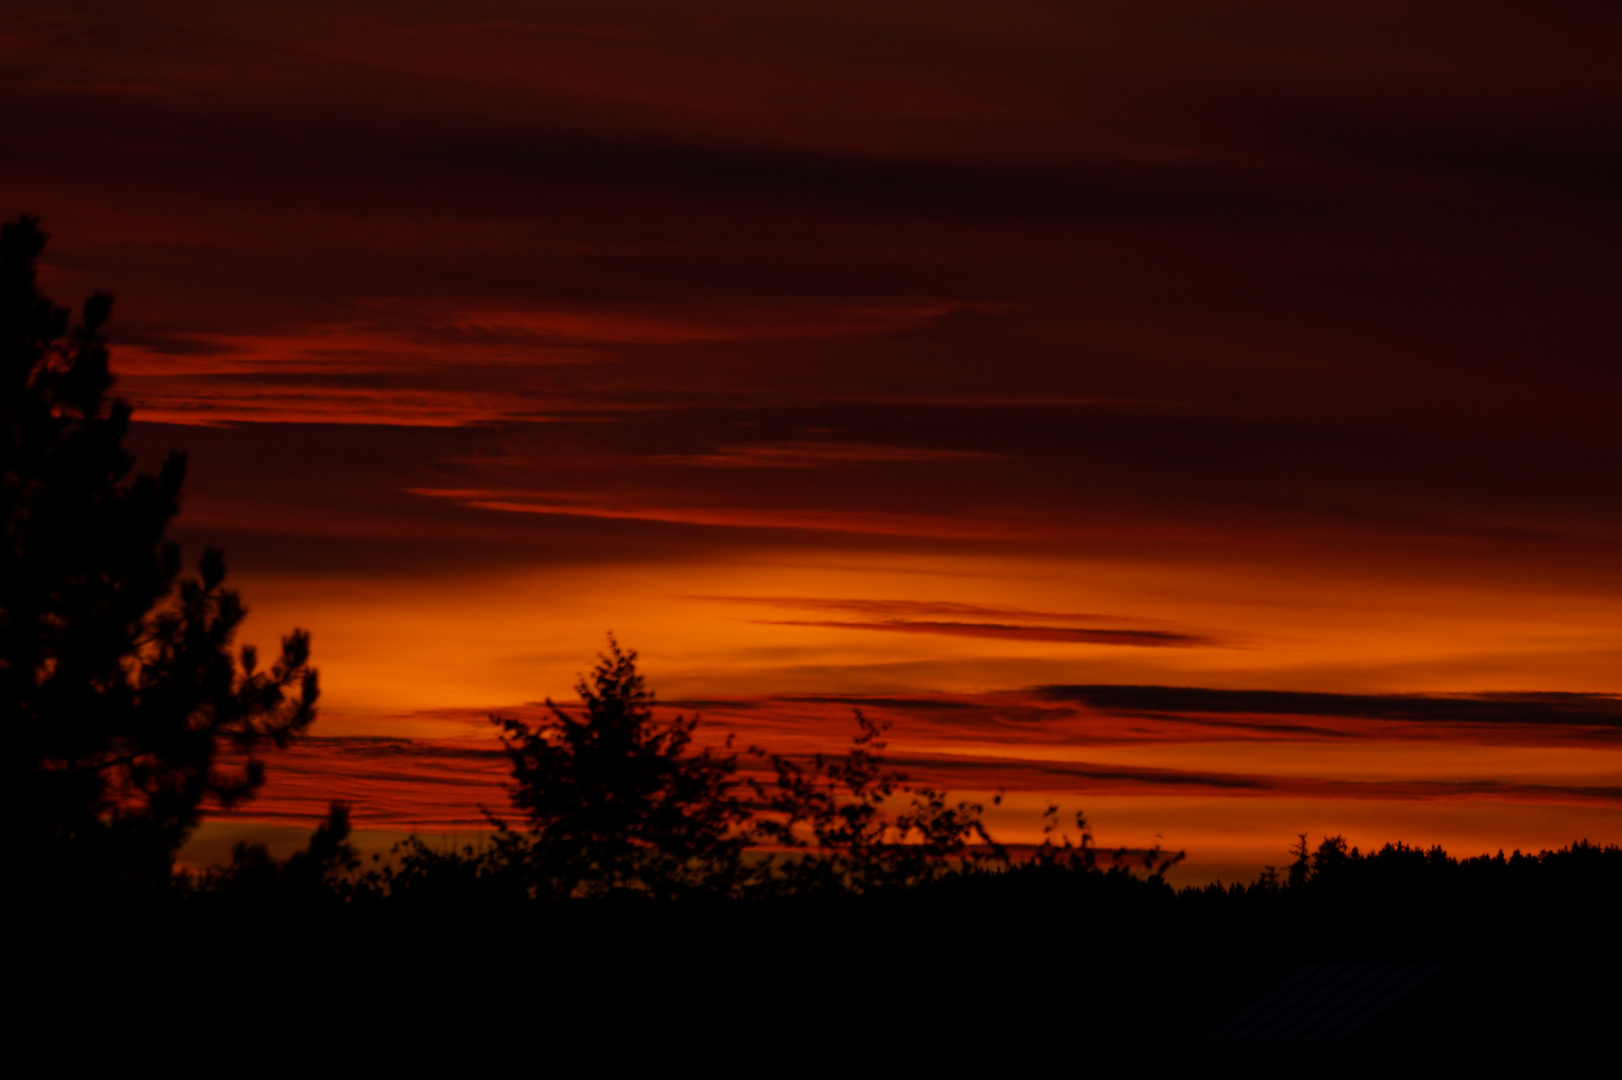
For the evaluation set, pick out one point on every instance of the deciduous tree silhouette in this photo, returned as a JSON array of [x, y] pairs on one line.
[[619, 803], [616, 801], [124, 707], [833, 820]]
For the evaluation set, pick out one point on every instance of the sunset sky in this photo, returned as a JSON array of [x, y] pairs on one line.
[[1203, 415]]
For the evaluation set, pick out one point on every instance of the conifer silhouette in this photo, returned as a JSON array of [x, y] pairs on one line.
[[124, 706]]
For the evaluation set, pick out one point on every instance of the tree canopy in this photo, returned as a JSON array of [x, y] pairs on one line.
[[617, 802], [125, 706]]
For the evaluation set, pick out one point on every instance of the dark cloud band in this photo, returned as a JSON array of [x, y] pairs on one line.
[[1543, 708]]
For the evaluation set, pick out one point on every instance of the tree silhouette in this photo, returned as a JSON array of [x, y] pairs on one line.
[[615, 801], [833, 820], [124, 708], [319, 872], [618, 803]]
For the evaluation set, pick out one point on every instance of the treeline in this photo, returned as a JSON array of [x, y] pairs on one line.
[[1423, 888], [619, 806]]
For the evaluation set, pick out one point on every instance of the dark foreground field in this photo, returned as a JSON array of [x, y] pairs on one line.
[[1388, 962]]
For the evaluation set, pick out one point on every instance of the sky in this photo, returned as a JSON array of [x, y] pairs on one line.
[[1203, 415]]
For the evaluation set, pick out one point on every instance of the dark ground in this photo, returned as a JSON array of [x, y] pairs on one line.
[[1020, 975]]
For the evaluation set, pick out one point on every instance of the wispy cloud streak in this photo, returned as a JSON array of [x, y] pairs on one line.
[[909, 608], [874, 523], [1157, 639], [438, 784]]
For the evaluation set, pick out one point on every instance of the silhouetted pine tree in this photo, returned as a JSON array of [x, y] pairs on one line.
[[122, 701]]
